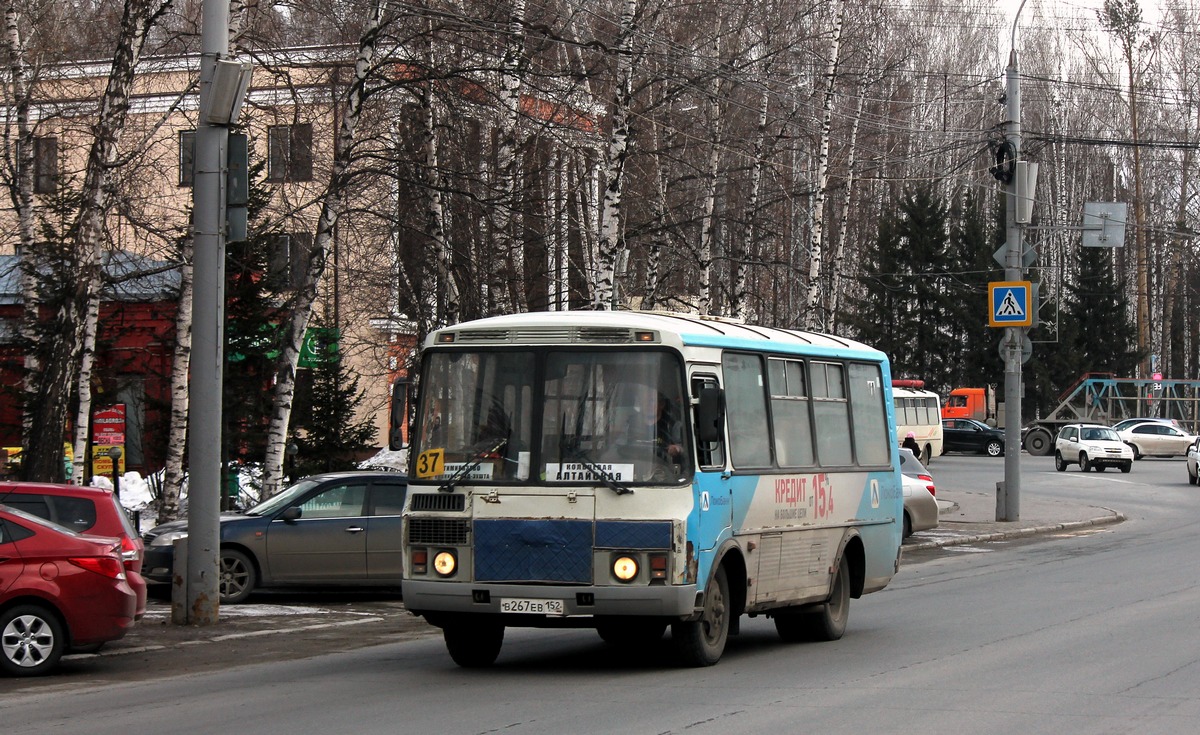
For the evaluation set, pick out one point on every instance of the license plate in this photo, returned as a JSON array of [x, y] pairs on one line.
[[531, 606]]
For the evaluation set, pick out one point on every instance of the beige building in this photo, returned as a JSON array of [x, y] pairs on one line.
[[290, 115]]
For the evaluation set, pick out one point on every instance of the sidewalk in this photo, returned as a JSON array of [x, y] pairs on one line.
[[969, 516]]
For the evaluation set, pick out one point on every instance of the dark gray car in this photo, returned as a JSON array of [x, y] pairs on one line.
[[337, 529]]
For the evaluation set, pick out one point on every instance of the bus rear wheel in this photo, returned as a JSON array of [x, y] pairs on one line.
[[828, 621], [473, 645], [701, 642]]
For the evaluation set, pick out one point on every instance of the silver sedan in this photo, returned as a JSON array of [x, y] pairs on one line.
[[920, 506]]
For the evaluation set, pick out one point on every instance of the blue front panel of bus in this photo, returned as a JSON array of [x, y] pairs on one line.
[[509, 550], [633, 534]]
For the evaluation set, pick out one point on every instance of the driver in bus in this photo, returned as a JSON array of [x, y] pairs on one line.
[[654, 419]]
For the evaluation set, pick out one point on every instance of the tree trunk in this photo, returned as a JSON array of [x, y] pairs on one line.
[[617, 152], [813, 318], [333, 204], [173, 471]]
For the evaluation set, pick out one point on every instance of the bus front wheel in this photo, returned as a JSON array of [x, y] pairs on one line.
[[473, 645], [701, 642]]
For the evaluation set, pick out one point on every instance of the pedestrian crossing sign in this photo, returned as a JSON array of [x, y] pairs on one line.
[[1009, 302]]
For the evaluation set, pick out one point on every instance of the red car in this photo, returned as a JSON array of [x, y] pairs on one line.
[[90, 510], [59, 590]]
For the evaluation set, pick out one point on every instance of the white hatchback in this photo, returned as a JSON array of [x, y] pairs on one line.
[[1193, 462], [1091, 445]]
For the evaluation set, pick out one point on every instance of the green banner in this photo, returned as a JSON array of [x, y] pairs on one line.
[[320, 345]]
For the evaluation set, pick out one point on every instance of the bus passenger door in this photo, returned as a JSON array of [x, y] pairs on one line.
[[714, 497]]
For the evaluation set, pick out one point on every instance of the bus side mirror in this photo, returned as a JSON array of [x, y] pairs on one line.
[[710, 415]]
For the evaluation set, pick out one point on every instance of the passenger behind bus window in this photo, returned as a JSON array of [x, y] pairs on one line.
[[910, 442]]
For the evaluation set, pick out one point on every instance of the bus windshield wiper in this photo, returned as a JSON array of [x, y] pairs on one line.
[[475, 461], [611, 482]]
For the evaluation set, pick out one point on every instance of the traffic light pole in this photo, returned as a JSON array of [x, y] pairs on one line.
[[1008, 498]]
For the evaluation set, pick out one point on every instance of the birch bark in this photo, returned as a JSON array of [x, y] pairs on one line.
[[333, 205], [813, 318]]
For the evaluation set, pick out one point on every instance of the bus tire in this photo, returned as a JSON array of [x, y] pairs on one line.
[[473, 645], [828, 621], [701, 642]]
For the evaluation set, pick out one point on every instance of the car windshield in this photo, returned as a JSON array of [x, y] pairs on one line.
[[283, 499], [1099, 434]]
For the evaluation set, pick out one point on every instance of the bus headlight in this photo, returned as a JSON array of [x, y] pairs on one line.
[[625, 568], [444, 563]]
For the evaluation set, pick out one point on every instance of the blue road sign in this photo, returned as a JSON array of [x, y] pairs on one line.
[[1009, 302]]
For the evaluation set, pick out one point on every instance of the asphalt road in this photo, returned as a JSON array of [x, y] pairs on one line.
[[1089, 631]]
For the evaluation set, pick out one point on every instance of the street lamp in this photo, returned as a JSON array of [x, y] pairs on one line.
[[115, 455]]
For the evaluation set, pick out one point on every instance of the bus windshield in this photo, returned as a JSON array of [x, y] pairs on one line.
[[595, 416]]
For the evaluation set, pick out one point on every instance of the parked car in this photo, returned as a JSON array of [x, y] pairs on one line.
[[89, 510], [1193, 462], [969, 435], [1127, 423], [1156, 439], [920, 505], [1091, 445], [59, 590], [336, 529]]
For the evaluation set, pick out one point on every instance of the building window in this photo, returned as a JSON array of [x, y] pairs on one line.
[[289, 153], [289, 258], [187, 157], [45, 164]]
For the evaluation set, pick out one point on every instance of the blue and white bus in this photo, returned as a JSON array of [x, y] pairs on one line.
[[634, 471]]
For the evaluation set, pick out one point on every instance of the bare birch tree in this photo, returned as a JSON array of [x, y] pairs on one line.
[[814, 319], [332, 206]]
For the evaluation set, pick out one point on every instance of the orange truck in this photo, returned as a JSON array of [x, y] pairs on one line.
[[974, 403]]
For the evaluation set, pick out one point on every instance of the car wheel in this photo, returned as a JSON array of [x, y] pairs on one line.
[[1084, 465], [907, 526], [701, 642], [995, 448], [1060, 464], [473, 645], [32, 640], [236, 578], [1137, 453], [1193, 479], [1126, 466]]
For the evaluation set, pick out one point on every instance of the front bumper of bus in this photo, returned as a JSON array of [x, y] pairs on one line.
[[429, 598]]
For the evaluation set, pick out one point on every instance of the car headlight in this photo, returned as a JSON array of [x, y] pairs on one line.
[[169, 538]]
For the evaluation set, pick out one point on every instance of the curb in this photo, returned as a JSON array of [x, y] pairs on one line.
[[1115, 517]]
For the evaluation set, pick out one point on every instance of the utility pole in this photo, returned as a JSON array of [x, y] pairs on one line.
[[208, 305], [223, 84], [1008, 501]]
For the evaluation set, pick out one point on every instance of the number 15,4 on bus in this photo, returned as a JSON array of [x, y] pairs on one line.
[[633, 472]]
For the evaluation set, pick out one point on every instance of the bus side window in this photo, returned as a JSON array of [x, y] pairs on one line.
[[711, 454]]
